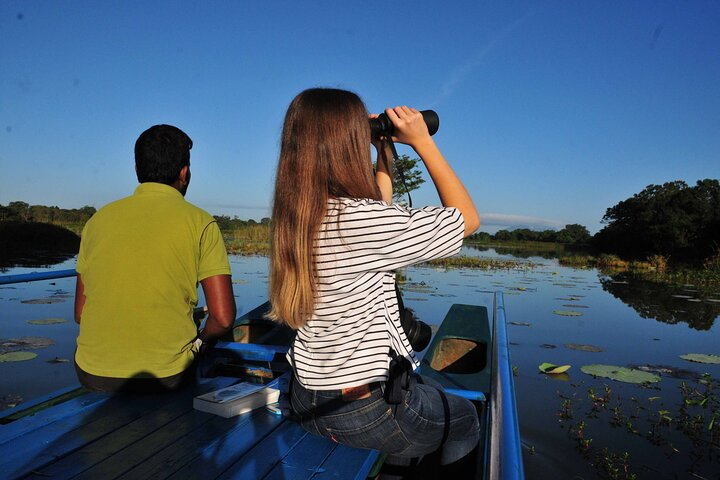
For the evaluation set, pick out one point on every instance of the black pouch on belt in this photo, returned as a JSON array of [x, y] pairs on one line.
[[399, 372]]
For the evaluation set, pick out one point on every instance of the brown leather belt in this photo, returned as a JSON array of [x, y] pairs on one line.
[[357, 393]]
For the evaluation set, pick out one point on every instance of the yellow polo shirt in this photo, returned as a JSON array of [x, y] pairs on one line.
[[140, 260]]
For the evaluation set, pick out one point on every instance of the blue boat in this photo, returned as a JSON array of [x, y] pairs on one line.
[[74, 433]]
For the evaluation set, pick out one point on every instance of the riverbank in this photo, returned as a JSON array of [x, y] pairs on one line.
[[35, 244], [655, 268]]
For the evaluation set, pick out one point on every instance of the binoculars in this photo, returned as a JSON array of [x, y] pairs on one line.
[[382, 126]]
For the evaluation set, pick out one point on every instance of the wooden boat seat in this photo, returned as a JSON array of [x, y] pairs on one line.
[[93, 435]]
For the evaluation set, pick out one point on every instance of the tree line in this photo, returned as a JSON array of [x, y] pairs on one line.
[[674, 220], [24, 212], [573, 234]]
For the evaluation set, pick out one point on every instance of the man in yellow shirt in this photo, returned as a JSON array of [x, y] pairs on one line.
[[141, 259]]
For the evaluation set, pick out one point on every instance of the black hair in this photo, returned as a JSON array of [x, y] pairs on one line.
[[161, 152]]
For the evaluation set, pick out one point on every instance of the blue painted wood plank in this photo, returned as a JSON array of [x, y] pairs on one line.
[[177, 408], [304, 460], [263, 455], [43, 418], [138, 452], [248, 351], [41, 447], [199, 450], [153, 416], [347, 463], [35, 276], [44, 446], [35, 401], [220, 455]]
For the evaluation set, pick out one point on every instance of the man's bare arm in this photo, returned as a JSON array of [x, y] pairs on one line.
[[79, 298], [220, 304]]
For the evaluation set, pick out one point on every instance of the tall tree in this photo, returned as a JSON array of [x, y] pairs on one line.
[[573, 234], [407, 177], [670, 219]]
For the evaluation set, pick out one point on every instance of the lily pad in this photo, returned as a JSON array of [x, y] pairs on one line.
[[583, 348], [567, 313], [621, 374], [701, 358], [420, 287], [667, 371], [24, 343], [47, 321], [43, 301], [552, 369], [17, 356], [58, 360]]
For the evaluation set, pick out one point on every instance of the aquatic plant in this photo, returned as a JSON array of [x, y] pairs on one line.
[[696, 418], [482, 263]]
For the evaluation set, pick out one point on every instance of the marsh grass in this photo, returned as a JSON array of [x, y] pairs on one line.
[[248, 240], [656, 268], [480, 263], [689, 427]]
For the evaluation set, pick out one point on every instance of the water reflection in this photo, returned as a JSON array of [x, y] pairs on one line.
[[552, 251], [663, 302], [38, 259]]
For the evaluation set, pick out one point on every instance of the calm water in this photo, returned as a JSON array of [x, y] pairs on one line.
[[567, 422]]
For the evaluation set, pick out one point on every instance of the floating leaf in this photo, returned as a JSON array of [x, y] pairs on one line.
[[583, 348], [47, 321], [567, 313], [421, 287], [621, 374], [58, 360], [43, 301], [701, 358], [17, 356], [667, 371], [24, 343], [552, 369]]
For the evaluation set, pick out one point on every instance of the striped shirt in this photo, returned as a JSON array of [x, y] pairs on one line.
[[356, 320]]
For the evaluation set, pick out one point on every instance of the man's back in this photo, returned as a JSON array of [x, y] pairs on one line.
[[141, 259]]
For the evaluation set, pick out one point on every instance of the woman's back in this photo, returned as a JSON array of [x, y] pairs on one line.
[[356, 320]]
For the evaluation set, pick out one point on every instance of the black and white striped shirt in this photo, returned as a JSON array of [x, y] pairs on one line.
[[356, 319]]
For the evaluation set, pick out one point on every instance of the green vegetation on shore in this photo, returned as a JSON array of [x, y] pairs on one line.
[[33, 243], [671, 231], [72, 219]]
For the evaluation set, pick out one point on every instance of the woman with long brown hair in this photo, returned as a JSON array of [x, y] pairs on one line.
[[337, 239]]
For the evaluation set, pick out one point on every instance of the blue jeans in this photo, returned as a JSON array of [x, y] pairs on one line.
[[412, 429]]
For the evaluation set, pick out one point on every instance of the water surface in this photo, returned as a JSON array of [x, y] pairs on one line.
[[633, 323]]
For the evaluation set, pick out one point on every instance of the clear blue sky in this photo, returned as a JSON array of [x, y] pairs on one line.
[[551, 112]]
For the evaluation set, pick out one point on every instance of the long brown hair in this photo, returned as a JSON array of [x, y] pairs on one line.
[[325, 153]]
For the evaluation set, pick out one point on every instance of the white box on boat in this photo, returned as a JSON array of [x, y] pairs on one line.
[[236, 399]]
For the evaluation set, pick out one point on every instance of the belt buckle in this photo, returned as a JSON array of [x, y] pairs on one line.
[[351, 394]]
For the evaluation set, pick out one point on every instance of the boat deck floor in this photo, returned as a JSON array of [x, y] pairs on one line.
[[104, 436]]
